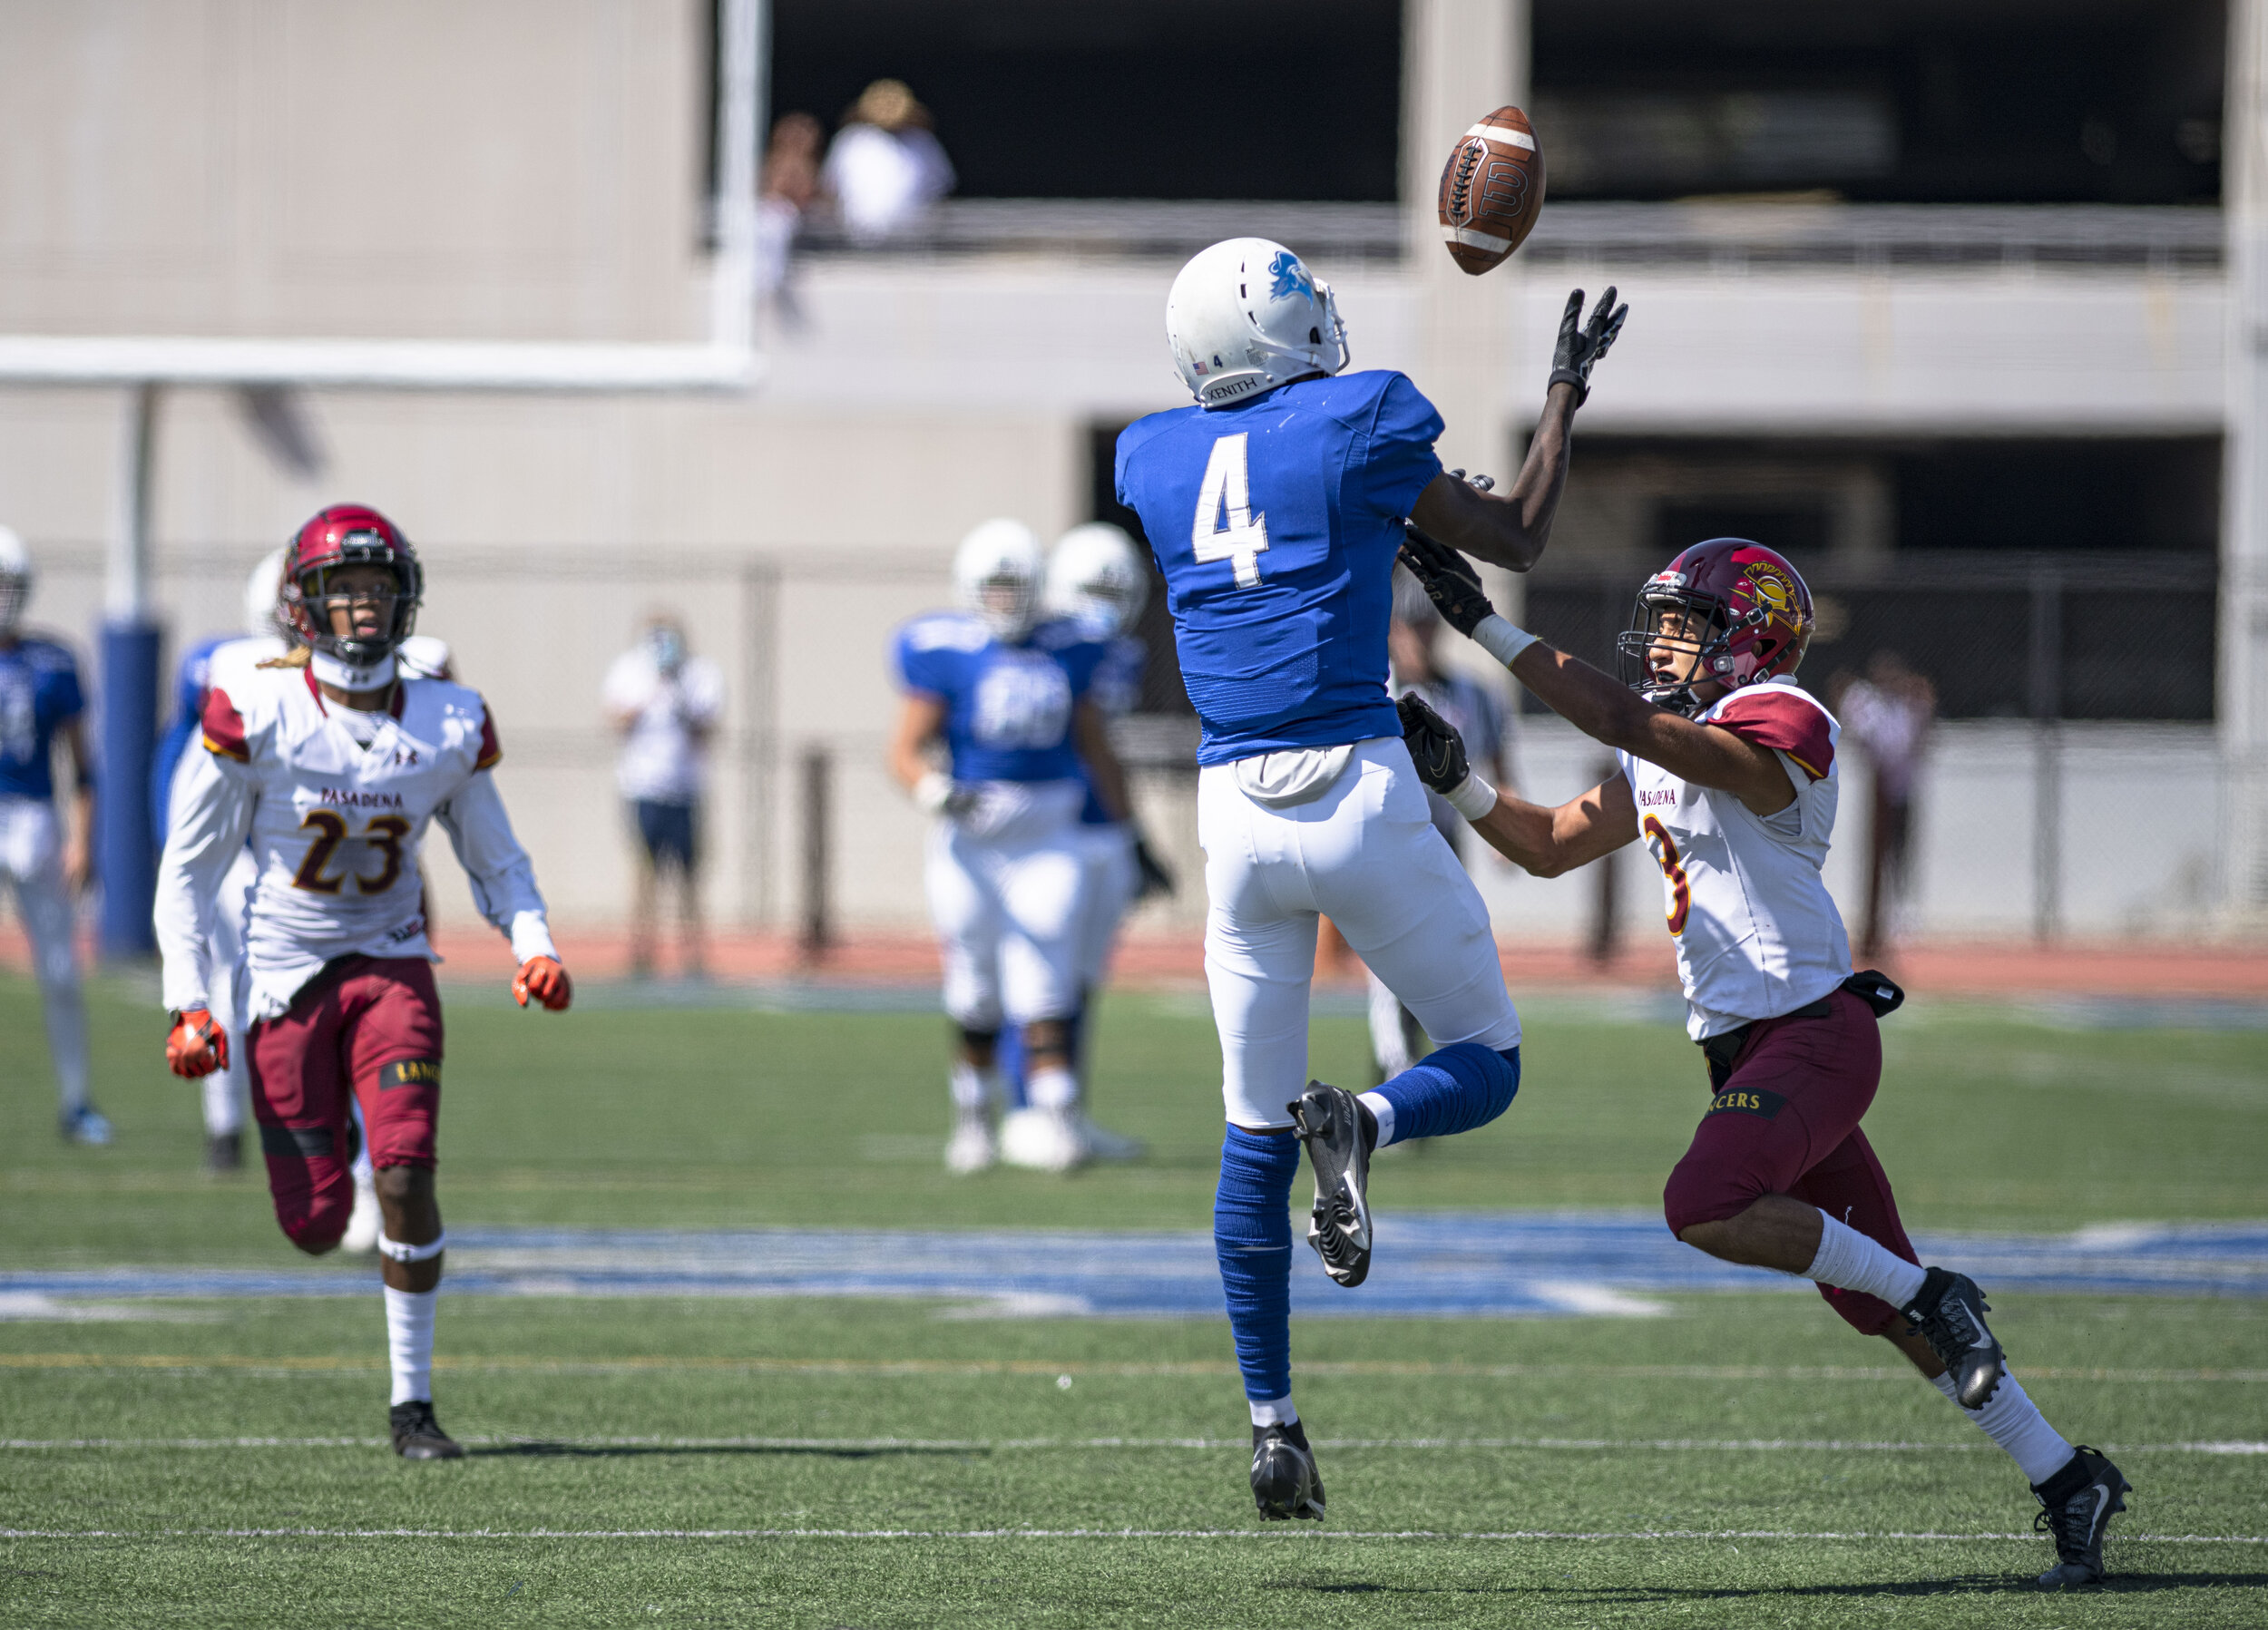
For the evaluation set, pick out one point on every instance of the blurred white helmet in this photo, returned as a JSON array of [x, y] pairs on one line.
[[425, 657], [264, 611], [16, 579], [1246, 315], [996, 575], [1095, 577]]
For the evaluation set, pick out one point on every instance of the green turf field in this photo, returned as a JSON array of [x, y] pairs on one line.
[[619, 1444]]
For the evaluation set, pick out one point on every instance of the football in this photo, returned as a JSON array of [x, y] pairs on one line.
[[1492, 190]]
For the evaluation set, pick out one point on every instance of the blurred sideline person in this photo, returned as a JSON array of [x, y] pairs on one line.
[[1009, 697], [1097, 584], [1728, 776], [1396, 1039], [1889, 714], [332, 762], [785, 190], [885, 169], [1273, 504], [665, 703], [45, 867], [263, 638]]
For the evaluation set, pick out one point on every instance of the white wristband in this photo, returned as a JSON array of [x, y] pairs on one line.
[[1474, 797], [1501, 639], [933, 792]]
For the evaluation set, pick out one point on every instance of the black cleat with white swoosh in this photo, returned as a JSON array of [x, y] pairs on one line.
[[1949, 1315], [1338, 1133], [2076, 1505], [1285, 1482]]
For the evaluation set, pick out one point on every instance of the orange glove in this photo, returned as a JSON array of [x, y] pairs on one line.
[[542, 978], [197, 1045]]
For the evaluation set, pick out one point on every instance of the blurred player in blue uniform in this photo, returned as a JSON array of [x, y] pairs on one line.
[[40, 706], [1007, 696], [1098, 581], [1275, 506]]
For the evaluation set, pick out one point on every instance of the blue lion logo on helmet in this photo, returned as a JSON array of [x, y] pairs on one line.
[[1289, 278]]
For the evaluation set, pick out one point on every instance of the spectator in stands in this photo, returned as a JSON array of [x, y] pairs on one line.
[[885, 169], [1889, 714], [665, 702], [789, 183]]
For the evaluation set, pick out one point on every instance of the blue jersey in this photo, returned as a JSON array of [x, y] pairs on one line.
[[1117, 687], [39, 689], [192, 679], [1008, 707], [1275, 523]]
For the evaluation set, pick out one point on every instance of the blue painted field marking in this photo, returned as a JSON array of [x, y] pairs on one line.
[[1529, 1264]]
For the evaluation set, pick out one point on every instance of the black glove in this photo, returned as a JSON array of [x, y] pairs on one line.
[[1155, 879], [1579, 348], [1435, 748], [1449, 580]]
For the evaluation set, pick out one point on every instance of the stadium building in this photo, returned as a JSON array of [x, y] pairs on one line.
[[1958, 305]]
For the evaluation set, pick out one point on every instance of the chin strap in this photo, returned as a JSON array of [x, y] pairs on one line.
[[334, 671]]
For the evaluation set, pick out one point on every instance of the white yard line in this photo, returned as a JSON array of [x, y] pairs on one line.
[[996, 1445], [1704, 1536]]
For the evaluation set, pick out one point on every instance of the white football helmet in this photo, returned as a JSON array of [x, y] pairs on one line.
[[425, 657], [996, 576], [16, 579], [264, 611], [1246, 315], [1096, 578]]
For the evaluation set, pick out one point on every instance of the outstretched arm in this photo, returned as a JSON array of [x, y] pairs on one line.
[[1537, 839], [1601, 707], [1510, 529]]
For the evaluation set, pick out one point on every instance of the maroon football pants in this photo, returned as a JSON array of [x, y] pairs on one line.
[[1785, 1121], [365, 1027]]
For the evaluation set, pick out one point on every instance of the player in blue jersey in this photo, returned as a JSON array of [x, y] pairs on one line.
[[1006, 694], [41, 707], [1275, 507], [1096, 581]]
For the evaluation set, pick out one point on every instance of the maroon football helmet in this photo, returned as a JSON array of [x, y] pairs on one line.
[[350, 535], [1755, 615]]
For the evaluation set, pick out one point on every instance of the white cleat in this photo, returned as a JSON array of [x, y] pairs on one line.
[[1042, 1140], [1102, 1144], [972, 1147], [365, 1222]]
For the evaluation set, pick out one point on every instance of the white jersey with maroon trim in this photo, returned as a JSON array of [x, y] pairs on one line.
[[1758, 933], [336, 823]]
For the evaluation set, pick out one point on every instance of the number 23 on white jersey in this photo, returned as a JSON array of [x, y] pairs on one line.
[[1239, 536]]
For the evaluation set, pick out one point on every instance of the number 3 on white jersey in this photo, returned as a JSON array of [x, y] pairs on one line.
[[1241, 535]]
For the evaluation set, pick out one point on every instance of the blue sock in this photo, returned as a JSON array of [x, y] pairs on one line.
[[1252, 1233], [1007, 1056], [1452, 1091]]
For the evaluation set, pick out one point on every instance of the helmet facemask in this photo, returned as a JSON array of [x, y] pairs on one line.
[[1007, 602], [16, 594], [1704, 639], [316, 593]]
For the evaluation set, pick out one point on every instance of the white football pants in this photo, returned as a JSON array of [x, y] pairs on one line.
[[229, 986], [1007, 907], [1365, 852], [31, 862], [1105, 855]]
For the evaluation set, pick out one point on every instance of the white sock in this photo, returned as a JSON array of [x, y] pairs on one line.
[[409, 1342], [1273, 1412], [972, 1088], [1849, 1261], [1381, 1106], [2013, 1420], [1051, 1088]]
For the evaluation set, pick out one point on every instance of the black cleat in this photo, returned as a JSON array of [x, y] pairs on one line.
[[1338, 1133], [224, 1152], [2076, 1505], [1949, 1315], [1285, 1482], [418, 1436]]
